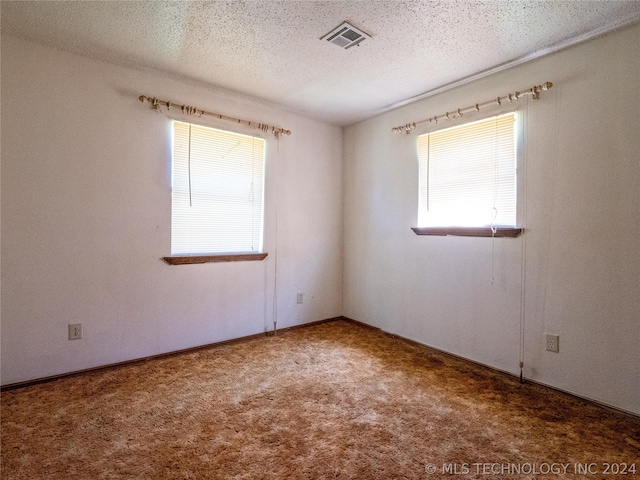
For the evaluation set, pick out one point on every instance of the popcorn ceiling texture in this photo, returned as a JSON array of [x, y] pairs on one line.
[[272, 49], [335, 400]]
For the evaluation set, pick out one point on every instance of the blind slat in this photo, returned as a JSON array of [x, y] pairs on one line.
[[467, 173], [217, 191]]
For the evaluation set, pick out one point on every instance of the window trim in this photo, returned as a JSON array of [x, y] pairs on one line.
[[520, 112], [194, 258], [501, 232], [221, 257]]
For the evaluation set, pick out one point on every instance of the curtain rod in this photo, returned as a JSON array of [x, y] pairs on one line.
[[510, 97], [188, 110]]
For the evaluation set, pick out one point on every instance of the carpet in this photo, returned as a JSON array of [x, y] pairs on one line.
[[330, 401]]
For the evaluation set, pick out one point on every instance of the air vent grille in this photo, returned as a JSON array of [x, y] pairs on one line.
[[345, 36]]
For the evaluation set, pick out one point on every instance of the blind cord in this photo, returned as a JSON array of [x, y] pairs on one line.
[[523, 247], [251, 193], [494, 212], [494, 229], [428, 169], [275, 268], [189, 165]]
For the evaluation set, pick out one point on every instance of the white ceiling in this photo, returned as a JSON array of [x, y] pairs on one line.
[[272, 49]]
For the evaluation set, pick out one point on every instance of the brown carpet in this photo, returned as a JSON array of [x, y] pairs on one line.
[[334, 400]]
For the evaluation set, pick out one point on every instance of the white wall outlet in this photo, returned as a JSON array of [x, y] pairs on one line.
[[300, 297], [75, 331], [553, 343]]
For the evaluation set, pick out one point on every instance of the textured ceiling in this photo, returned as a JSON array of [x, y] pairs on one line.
[[272, 49]]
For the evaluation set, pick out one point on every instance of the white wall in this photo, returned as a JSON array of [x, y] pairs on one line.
[[86, 216], [86, 206], [582, 249]]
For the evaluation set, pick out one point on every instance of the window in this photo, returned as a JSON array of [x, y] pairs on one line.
[[468, 176], [217, 191]]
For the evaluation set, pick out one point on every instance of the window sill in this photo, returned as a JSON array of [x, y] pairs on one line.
[[224, 257], [468, 231]]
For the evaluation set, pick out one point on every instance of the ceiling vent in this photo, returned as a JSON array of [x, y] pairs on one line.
[[345, 36]]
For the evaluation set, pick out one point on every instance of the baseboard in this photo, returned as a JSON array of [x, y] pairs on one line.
[[358, 323], [587, 400], [36, 381], [306, 325], [364, 325]]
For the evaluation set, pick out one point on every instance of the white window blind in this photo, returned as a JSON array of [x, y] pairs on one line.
[[468, 175], [217, 191]]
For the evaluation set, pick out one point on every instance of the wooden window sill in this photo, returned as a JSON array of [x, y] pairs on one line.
[[224, 257], [468, 231]]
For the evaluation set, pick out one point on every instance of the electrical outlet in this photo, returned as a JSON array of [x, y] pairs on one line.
[[553, 343], [300, 297], [75, 331]]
